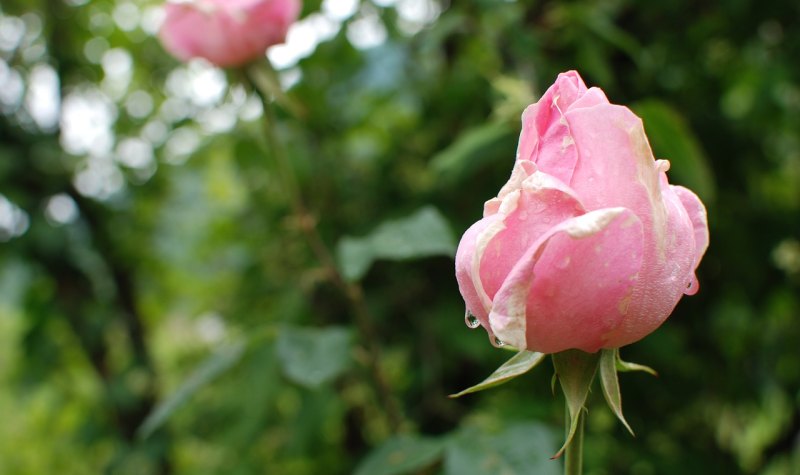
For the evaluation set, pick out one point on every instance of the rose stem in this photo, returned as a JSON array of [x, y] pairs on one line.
[[351, 290], [573, 460]]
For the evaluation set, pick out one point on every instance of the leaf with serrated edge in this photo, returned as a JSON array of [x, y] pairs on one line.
[[519, 364], [575, 370], [610, 383], [624, 366]]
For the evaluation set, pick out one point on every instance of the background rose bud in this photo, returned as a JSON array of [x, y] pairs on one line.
[[587, 246], [226, 32]]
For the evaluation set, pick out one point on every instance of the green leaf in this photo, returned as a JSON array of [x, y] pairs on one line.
[[604, 28], [514, 95], [313, 356], [610, 384], [422, 234], [208, 370], [517, 365], [518, 449], [575, 370], [401, 454], [473, 148], [672, 139]]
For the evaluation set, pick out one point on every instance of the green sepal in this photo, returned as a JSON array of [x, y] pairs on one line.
[[610, 384], [624, 366], [575, 370], [266, 80], [519, 364]]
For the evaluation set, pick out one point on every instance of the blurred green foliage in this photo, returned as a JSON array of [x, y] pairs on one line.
[[161, 311]]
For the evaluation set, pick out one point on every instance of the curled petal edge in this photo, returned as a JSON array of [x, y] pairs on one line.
[[507, 319]]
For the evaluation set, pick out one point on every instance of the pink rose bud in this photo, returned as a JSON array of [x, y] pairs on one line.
[[226, 32], [587, 246]]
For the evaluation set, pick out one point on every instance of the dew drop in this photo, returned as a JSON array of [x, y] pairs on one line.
[[498, 342], [471, 320]]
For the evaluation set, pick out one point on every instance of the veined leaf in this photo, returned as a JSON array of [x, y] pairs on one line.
[[517, 449], [473, 148], [423, 234], [313, 356], [400, 455]]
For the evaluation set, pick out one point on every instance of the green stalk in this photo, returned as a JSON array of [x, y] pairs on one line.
[[573, 459], [262, 80]]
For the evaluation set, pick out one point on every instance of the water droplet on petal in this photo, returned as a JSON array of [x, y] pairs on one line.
[[471, 320], [497, 342]]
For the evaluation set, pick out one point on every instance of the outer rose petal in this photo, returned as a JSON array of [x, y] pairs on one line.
[[464, 269], [178, 35], [533, 212], [528, 205], [666, 271], [616, 166], [697, 213], [226, 33], [573, 286], [267, 23], [698, 230]]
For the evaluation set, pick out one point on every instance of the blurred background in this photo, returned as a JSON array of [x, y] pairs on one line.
[[161, 311]]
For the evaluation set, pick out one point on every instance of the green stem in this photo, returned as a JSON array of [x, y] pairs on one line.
[[573, 460], [352, 291]]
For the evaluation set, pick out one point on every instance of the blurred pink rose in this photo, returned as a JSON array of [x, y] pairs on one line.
[[226, 32], [587, 246]]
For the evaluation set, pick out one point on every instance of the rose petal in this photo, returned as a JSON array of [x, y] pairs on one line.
[[545, 138], [697, 215], [476, 304], [178, 33], [528, 213], [521, 171], [225, 32], [593, 97], [667, 272], [616, 166], [574, 284]]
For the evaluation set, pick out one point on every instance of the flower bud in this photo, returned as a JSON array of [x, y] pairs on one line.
[[587, 246]]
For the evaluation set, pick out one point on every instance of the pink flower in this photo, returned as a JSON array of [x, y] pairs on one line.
[[587, 246], [226, 32]]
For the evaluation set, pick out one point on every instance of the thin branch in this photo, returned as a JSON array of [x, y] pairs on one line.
[[353, 291]]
